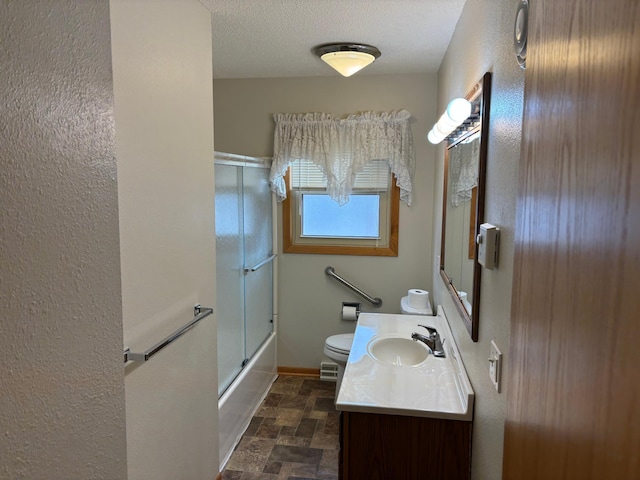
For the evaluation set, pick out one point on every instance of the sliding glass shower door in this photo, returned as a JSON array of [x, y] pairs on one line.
[[258, 250], [244, 267]]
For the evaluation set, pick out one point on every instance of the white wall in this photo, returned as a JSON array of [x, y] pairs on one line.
[[62, 411], [164, 131], [309, 301], [483, 42]]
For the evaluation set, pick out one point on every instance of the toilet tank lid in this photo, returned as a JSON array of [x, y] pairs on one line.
[[404, 305]]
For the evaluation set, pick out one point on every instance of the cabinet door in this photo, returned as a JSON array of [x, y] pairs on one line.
[[384, 447]]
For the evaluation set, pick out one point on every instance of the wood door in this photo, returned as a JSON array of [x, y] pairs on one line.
[[573, 407]]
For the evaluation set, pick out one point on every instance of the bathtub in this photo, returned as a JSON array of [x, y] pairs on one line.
[[243, 397]]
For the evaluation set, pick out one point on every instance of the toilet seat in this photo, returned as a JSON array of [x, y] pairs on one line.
[[337, 348], [339, 343]]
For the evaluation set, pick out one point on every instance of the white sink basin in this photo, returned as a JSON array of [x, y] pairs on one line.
[[398, 351]]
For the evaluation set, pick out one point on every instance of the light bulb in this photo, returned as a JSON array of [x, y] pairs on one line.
[[434, 137], [456, 113], [459, 110]]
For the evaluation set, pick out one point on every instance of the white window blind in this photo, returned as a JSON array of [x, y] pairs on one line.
[[307, 175]]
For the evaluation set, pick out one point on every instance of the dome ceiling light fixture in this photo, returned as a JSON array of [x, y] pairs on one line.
[[347, 58]]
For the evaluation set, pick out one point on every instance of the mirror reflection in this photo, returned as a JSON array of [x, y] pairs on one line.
[[460, 221], [463, 207]]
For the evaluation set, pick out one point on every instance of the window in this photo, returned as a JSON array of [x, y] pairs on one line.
[[366, 225], [370, 143], [322, 216]]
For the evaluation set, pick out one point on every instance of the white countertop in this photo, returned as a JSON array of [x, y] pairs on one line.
[[436, 388]]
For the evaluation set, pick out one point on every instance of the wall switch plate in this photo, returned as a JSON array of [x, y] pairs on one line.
[[495, 365], [488, 241]]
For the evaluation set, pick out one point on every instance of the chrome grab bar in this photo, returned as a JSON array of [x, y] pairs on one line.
[[198, 311], [377, 302], [261, 264]]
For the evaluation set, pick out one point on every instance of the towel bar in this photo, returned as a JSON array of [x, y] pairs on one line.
[[198, 311], [261, 264]]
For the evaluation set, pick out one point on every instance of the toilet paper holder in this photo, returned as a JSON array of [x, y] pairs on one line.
[[347, 311]]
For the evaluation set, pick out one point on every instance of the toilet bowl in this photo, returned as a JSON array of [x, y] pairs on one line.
[[337, 347]]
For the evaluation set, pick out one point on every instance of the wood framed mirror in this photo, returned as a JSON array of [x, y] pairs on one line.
[[463, 207]]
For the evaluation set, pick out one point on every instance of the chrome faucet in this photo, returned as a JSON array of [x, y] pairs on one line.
[[432, 341]]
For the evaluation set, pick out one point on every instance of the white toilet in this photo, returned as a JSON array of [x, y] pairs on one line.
[[337, 347]]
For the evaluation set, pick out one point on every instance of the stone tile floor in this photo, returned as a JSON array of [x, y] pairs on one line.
[[293, 435]]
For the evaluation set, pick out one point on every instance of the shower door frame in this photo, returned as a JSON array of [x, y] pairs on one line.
[[243, 162], [242, 398]]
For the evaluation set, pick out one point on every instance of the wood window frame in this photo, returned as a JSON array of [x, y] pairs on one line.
[[390, 250]]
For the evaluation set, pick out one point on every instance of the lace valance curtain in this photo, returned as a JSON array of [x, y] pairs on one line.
[[341, 147]]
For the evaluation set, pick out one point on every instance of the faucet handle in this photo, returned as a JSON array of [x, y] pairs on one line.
[[432, 331]]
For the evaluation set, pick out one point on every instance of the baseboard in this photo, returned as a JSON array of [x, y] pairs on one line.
[[299, 372]]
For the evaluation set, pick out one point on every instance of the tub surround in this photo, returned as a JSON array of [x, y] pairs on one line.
[[434, 388]]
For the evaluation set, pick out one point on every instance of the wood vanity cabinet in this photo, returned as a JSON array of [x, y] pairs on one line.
[[394, 447]]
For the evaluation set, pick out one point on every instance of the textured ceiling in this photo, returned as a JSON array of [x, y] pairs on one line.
[[275, 38]]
